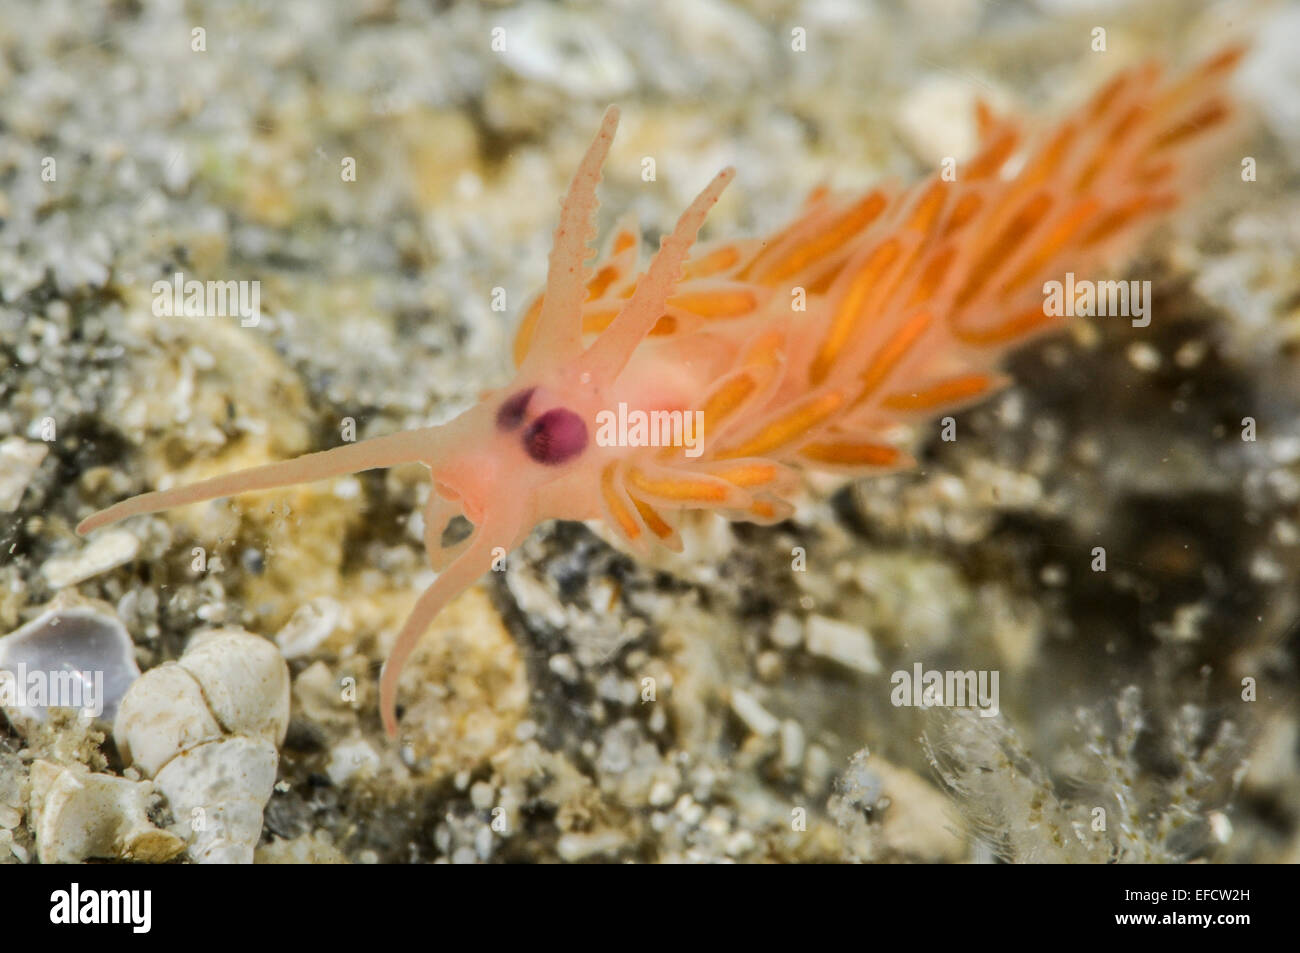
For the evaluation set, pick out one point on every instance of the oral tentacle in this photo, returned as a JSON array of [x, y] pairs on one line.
[[462, 573], [410, 446]]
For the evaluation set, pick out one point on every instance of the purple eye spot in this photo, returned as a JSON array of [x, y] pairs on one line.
[[556, 436], [511, 413]]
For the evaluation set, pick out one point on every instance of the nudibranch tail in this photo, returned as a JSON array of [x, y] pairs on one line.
[[412, 446]]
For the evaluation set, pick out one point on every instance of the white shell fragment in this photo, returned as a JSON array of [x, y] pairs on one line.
[[78, 815], [566, 50], [756, 718], [311, 624], [937, 118], [19, 461], [72, 655], [106, 551], [351, 758], [206, 728], [244, 680], [166, 714], [218, 791], [849, 645]]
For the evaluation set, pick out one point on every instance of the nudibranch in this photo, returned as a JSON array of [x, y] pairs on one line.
[[907, 299]]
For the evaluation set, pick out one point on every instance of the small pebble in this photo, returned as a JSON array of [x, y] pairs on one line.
[[19, 461], [849, 645], [757, 718], [106, 551]]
